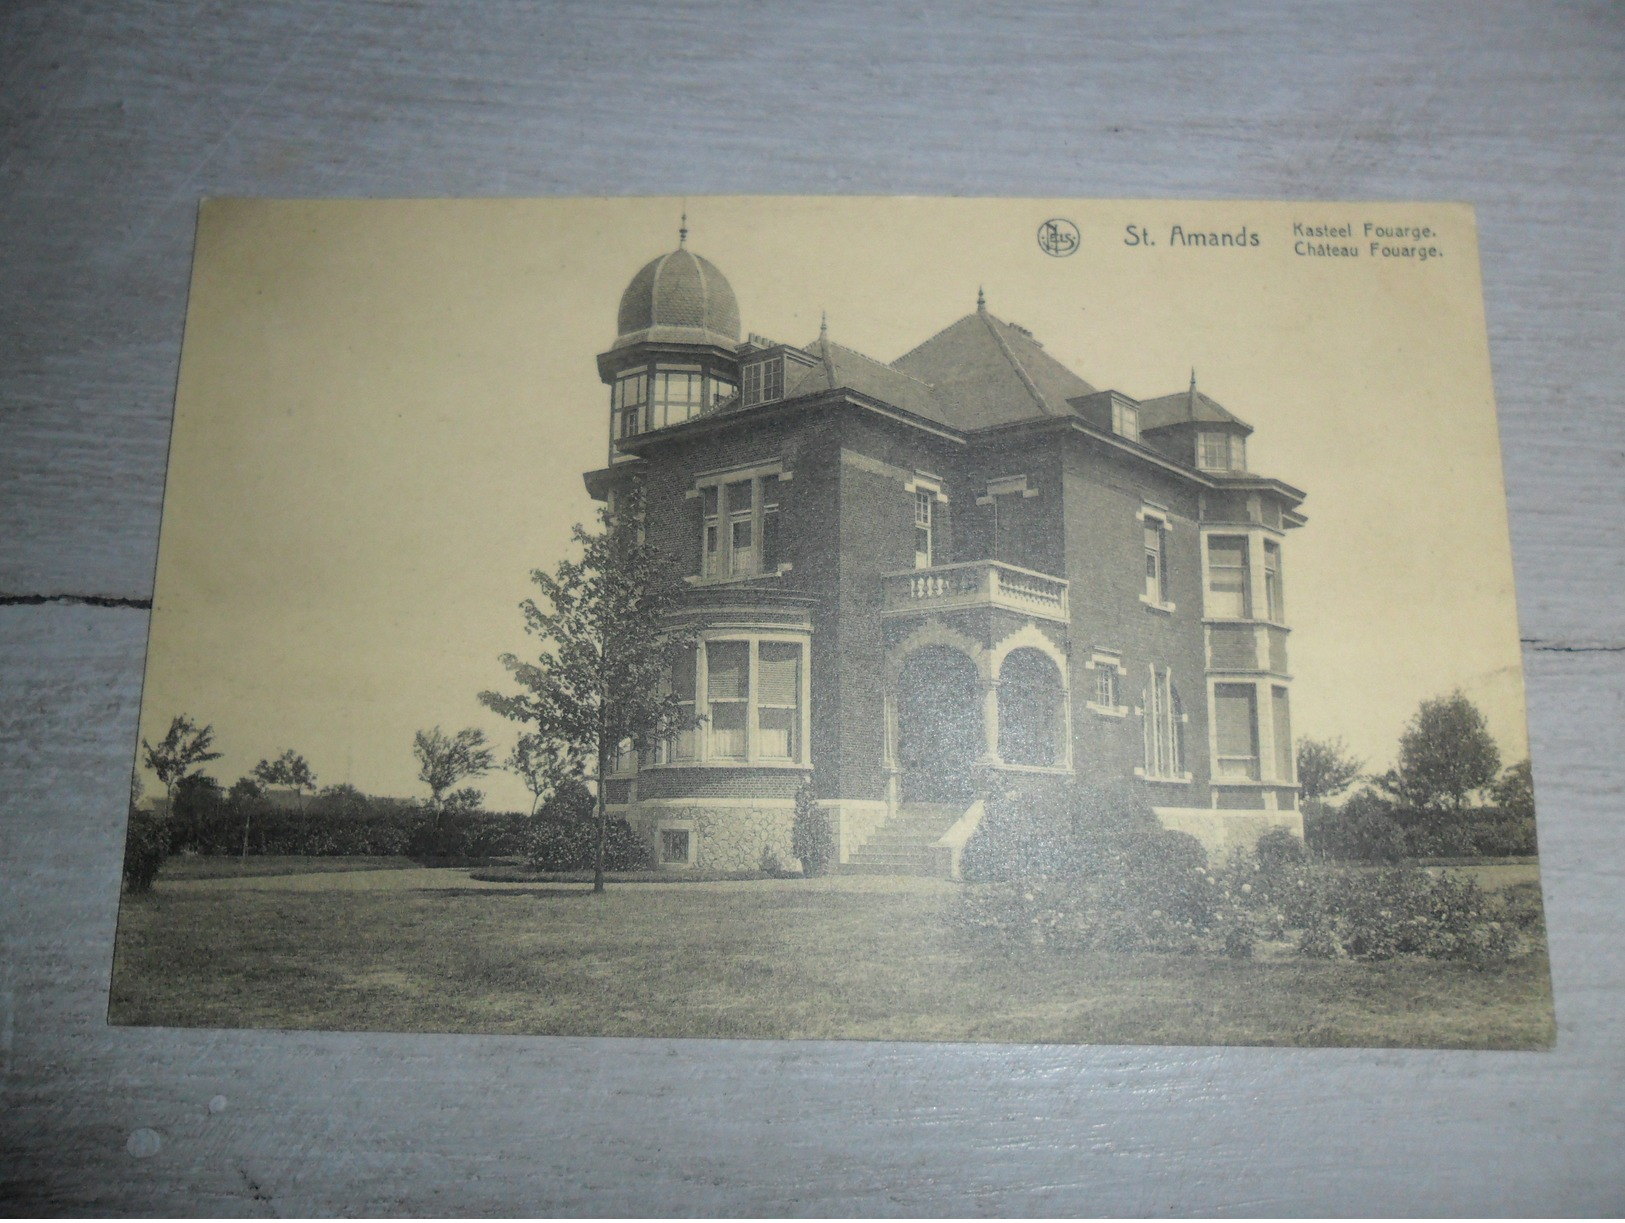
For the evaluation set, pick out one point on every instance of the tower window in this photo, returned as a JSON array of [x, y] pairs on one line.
[[677, 397], [1218, 451], [630, 396], [720, 390]]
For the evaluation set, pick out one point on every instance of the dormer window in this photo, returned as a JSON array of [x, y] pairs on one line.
[[1216, 451], [1125, 420], [764, 381]]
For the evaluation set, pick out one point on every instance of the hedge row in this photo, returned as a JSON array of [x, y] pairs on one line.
[[1368, 828]]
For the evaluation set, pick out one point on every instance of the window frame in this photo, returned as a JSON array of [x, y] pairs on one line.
[[1274, 589], [1221, 777], [705, 754], [926, 491], [1125, 420], [761, 380], [688, 828], [1164, 719], [1210, 593], [1107, 665], [1157, 599], [623, 410], [718, 523]]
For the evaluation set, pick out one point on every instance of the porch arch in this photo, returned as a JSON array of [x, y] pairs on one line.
[[1033, 722], [936, 724]]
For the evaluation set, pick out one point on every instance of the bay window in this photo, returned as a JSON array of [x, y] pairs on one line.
[[1275, 605], [778, 700], [1228, 581], [1283, 734], [1235, 716], [749, 693], [727, 693]]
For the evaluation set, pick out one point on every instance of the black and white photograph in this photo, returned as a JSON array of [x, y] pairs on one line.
[[995, 620]]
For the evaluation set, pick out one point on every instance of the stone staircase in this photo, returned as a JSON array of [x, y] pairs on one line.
[[903, 845]]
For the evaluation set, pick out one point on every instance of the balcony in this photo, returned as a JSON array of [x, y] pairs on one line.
[[975, 584]]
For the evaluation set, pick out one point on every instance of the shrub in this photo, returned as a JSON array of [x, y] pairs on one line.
[[1362, 830], [1090, 867], [1366, 914], [570, 843], [810, 838], [146, 845]]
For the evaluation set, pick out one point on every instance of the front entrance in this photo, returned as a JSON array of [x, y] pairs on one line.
[[939, 726]]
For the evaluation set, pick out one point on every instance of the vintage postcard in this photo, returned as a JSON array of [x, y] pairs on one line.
[[903, 619]]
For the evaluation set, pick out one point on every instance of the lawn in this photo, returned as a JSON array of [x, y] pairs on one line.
[[849, 956]]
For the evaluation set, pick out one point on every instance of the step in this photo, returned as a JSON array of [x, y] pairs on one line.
[[886, 869]]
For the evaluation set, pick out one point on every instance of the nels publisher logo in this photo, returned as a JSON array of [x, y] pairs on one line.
[[1058, 237]]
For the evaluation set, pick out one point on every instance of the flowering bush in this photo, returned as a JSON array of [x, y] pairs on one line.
[[1132, 888]]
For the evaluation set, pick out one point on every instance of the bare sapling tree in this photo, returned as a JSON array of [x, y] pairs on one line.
[[179, 753], [609, 642], [542, 765], [289, 769], [444, 760]]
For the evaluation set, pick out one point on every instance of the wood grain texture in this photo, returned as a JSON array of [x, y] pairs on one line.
[[117, 118]]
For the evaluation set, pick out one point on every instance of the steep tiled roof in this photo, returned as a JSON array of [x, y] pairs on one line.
[[679, 297], [984, 371], [839, 366], [1184, 407]]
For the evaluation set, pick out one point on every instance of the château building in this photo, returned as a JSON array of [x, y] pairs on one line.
[[913, 579]]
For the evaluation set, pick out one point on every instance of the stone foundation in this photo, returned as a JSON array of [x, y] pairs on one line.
[[1222, 832], [726, 835]]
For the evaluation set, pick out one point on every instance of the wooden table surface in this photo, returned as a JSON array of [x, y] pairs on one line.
[[117, 118]]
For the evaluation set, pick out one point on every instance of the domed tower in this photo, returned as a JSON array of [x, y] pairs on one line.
[[675, 351]]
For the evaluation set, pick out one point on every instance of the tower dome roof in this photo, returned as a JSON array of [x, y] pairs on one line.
[[679, 298]]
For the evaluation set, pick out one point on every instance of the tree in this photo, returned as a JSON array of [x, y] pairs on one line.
[[1514, 793], [1325, 768], [178, 753], [288, 769], [246, 794], [1445, 754], [444, 760], [541, 765], [609, 644]]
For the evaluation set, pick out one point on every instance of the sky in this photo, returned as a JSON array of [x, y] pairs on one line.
[[385, 407]]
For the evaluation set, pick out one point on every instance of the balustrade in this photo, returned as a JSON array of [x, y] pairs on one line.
[[971, 583]]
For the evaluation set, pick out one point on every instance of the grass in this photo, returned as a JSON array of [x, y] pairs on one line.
[[201, 867], [846, 956]]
